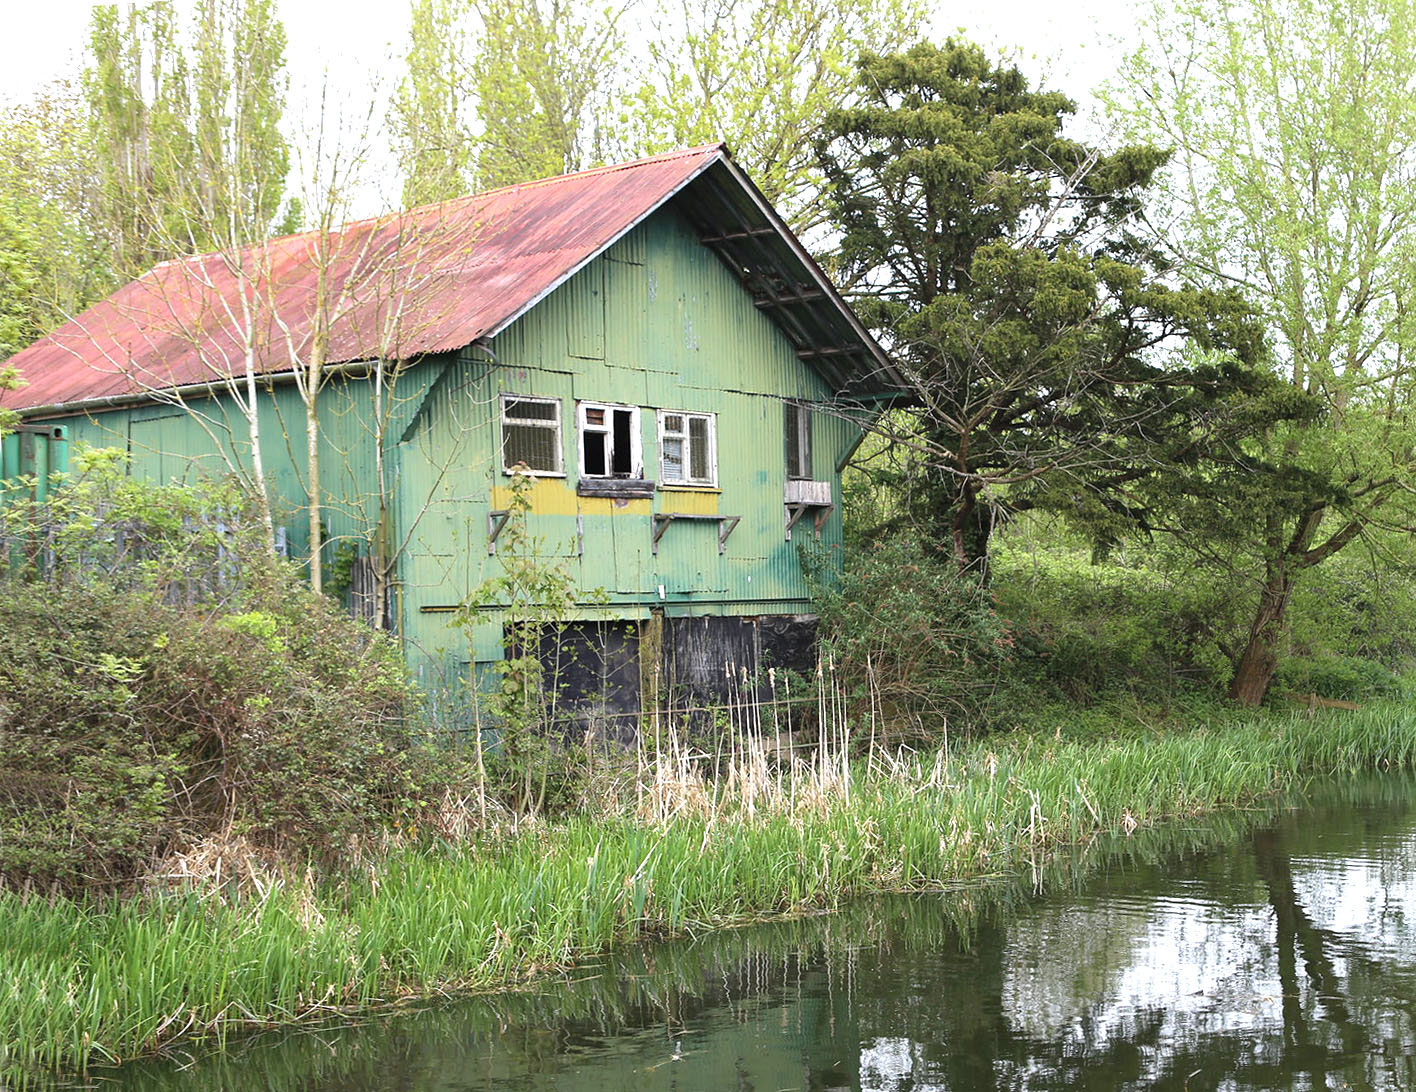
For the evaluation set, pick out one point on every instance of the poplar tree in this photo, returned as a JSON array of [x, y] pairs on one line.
[[536, 78], [433, 142], [1293, 181], [502, 91], [184, 128]]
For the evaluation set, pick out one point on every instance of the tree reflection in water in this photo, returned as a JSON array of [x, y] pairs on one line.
[[1247, 952]]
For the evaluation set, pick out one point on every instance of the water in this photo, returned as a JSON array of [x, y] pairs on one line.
[[1261, 951]]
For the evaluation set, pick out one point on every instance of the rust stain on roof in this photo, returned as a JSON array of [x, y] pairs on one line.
[[428, 280]]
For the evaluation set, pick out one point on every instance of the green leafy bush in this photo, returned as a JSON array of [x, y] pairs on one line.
[[914, 642], [146, 702], [1347, 678], [1094, 628]]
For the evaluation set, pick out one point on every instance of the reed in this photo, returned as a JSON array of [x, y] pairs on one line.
[[699, 840]]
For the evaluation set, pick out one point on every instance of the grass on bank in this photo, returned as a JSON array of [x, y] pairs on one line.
[[108, 981]]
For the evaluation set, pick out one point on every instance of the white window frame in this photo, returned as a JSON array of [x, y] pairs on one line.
[[636, 443], [687, 482], [553, 423]]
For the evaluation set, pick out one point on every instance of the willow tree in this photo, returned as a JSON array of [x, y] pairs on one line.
[[1293, 181], [1052, 360]]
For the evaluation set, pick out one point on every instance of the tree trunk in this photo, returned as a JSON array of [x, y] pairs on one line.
[[312, 452], [970, 531], [1259, 660]]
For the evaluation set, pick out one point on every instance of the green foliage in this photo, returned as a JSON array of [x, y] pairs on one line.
[[538, 75], [161, 681], [497, 92], [1052, 356], [917, 643], [1295, 183], [51, 262], [532, 764], [762, 75], [435, 150], [1142, 625], [185, 137]]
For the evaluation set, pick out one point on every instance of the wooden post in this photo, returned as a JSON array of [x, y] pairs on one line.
[[651, 669]]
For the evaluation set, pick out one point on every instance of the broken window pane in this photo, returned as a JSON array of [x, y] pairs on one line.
[[595, 462], [798, 430], [609, 441], [622, 447]]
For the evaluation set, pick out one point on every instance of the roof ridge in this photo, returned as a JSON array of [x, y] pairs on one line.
[[604, 168], [451, 202]]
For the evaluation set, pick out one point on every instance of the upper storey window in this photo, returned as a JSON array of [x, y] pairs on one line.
[[609, 441], [531, 433], [798, 428], [687, 448]]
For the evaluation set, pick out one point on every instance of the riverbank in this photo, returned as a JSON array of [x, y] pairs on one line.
[[111, 981]]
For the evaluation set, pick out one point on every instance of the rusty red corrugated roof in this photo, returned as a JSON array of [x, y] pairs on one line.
[[427, 280]]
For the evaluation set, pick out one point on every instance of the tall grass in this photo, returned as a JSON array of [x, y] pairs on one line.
[[103, 982]]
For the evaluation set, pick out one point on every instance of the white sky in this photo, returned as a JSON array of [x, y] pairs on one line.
[[1071, 47]]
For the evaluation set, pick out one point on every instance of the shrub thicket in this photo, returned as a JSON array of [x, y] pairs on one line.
[[162, 679], [917, 645], [1057, 642]]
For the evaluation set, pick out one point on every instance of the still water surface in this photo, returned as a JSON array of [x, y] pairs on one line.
[[1262, 951]]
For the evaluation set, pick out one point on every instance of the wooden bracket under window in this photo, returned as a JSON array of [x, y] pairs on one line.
[[726, 526], [496, 520], [796, 511]]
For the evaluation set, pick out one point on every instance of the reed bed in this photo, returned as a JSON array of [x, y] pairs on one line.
[[91, 983]]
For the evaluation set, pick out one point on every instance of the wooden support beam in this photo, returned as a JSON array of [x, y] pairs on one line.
[[819, 514], [746, 233], [766, 299], [496, 522]]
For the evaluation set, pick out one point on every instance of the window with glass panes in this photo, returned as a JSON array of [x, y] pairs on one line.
[[531, 433], [798, 428], [687, 454]]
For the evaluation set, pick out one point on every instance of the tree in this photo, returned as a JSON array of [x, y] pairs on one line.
[[191, 161], [51, 263], [186, 138], [1051, 361], [538, 75], [761, 74], [434, 144], [497, 92], [1293, 181]]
